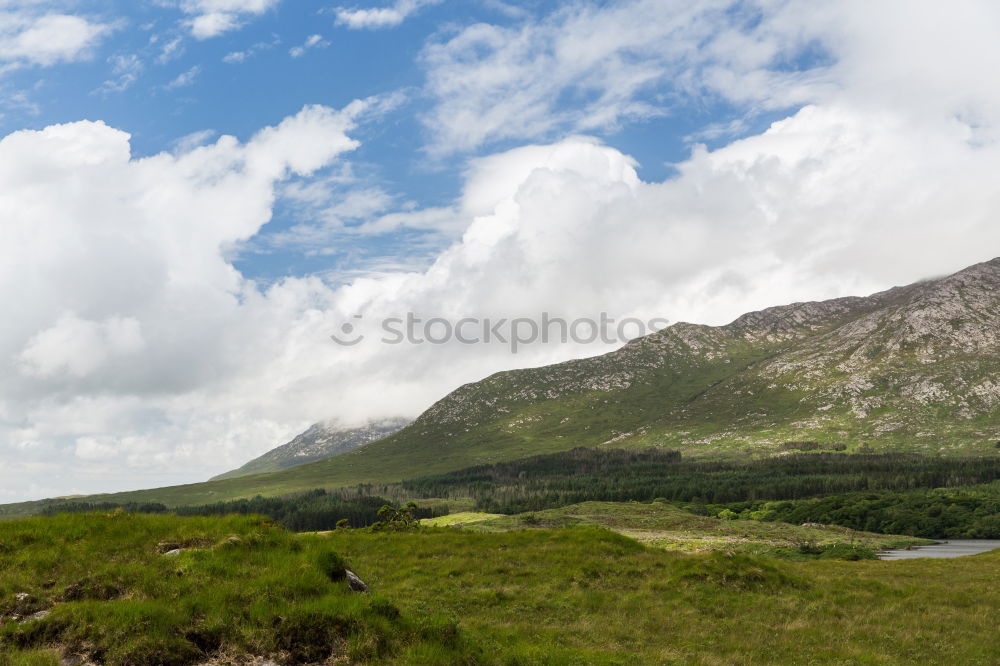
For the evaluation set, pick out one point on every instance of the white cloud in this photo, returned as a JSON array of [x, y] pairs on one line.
[[45, 39], [139, 348], [239, 57], [587, 68], [189, 142], [78, 347], [581, 68], [174, 48], [126, 309], [125, 70], [312, 42], [185, 78], [211, 18], [381, 17]]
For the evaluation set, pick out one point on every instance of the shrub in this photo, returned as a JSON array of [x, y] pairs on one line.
[[333, 565]]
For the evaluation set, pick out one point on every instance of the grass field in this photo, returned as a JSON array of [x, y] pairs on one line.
[[459, 519], [667, 526], [572, 595]]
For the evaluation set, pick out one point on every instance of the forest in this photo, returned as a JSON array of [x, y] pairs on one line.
[[933, 497]]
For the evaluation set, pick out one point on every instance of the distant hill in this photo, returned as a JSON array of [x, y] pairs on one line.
[[914, 368], [320, 441]]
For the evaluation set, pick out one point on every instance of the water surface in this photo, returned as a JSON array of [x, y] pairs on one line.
[[949, 548]]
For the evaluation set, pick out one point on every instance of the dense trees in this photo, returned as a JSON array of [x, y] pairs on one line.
[[970, 513], [314, 511], [891, 493], [559, 479]]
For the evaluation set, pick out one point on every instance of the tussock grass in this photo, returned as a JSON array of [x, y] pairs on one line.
[[583, 595], [570, 595], [239, 586]]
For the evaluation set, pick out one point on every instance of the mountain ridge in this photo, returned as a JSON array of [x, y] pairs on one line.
[[910, 368], [320, 441]]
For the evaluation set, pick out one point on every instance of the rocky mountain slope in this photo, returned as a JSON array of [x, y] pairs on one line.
[[322, 440], [914, 368]]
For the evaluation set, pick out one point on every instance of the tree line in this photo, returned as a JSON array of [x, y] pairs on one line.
[[554, 480]]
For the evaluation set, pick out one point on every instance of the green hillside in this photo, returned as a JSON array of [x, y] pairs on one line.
[[910, 369]]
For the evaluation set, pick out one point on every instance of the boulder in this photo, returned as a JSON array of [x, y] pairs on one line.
[[355, 583]]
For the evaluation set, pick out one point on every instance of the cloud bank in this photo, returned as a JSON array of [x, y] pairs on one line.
[[142, 356]]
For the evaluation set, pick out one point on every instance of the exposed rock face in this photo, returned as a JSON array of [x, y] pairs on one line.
[[916, 367], [355, 583], [321, 440]]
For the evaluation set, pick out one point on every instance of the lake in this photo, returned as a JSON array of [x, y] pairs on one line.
[[950, 548]]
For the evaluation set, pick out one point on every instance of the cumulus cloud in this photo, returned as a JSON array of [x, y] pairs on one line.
[[138, 346], [126, 308], [211, 18], [381, 17], [29, 37]]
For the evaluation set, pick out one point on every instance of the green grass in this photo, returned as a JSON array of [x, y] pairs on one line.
[[669, 527], [585, 596], [573, 595], [239, 587], [460, 518]]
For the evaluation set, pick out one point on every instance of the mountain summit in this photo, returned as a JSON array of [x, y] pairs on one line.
[[322, 440]]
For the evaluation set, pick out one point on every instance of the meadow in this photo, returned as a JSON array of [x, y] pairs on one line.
[[241, 587]]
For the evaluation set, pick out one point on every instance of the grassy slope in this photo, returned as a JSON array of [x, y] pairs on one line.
[[429, 446], [796, 372], [667, 526], [240, 586], [564, 596]]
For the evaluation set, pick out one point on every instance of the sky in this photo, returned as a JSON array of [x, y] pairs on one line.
[[195, 195]]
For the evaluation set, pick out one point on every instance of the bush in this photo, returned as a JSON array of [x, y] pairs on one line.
[[333, 565]]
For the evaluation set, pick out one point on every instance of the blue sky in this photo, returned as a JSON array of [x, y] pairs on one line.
[[194, 194], [150, 76]]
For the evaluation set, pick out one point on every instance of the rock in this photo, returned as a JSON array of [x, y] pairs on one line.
[[40, 615], [21, 596], [74, 660], [172, 553], [355, 583], [165, 547]]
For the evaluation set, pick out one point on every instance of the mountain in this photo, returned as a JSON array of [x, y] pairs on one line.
[[321, 440], [914, 368]]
